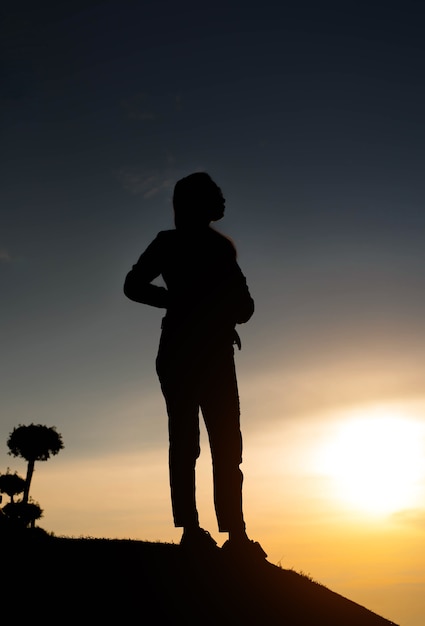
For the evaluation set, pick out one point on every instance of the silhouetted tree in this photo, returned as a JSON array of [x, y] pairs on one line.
[[23, 513], [11, 484], [34, 443]]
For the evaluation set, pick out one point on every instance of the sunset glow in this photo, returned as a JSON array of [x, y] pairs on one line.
[[310, 118], [375, 459]]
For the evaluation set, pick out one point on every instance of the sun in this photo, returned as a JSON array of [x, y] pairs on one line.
[[376, 461]]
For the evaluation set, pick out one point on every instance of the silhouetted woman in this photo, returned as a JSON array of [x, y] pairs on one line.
[[205, 297]]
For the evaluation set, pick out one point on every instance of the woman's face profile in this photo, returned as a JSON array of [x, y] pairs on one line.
[[218, 202]]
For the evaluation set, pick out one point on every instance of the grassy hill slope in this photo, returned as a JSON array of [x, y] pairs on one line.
[[52, 580]]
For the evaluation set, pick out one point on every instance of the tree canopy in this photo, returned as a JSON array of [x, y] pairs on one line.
[[34, 442], [11, 484]]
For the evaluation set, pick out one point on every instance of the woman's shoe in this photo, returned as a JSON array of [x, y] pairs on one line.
[[198, 540], [245, 549]]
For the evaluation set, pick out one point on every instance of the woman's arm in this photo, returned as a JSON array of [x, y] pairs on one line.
[[137, 285]]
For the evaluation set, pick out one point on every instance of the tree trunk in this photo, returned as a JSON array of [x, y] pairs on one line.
[[30, 471]]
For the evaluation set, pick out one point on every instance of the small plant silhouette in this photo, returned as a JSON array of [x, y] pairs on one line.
[[34, 442], [11, 484], [23, 513]]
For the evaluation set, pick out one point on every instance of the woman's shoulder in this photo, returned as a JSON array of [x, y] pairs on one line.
[[166, 234], [209, 240], [165, 238], [223, 241]]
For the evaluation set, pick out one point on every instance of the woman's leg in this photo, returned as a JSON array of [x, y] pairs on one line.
[[180, 393], [220, 408]]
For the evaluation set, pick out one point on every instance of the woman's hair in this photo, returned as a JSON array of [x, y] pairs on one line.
[[197, 199]]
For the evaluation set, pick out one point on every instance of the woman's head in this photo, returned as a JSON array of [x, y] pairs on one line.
[[197, 201]]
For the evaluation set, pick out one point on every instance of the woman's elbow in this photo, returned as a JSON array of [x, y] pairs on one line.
[[129, 287], [246, 312]]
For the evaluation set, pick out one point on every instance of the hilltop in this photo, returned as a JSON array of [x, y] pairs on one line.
[[50, 579]]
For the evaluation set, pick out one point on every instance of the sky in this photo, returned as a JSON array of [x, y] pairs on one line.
[[309, 116]]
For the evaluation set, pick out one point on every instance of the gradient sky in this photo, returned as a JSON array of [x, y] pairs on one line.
[[310, 117]]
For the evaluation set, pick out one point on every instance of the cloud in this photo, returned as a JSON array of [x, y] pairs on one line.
[[145, 182], [410, 517], [148, 182]]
